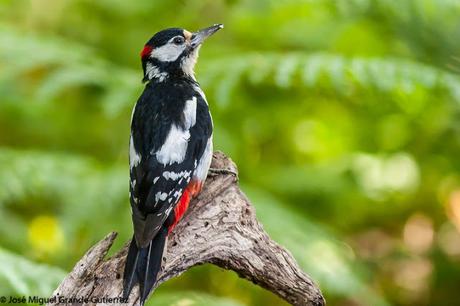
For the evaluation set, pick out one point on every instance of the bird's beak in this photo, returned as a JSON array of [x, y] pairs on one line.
[[201, 35]]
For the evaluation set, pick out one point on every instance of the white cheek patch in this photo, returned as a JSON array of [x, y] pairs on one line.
[[175, 146], [167, 53]]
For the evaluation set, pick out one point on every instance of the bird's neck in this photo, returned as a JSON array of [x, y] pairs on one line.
[[163, 73]]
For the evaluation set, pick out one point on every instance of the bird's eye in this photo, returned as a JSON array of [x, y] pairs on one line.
[[178, 40]]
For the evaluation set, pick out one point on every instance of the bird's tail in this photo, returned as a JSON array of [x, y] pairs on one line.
[[143, 264]]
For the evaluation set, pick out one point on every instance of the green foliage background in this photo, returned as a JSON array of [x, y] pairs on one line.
[[341, 115]]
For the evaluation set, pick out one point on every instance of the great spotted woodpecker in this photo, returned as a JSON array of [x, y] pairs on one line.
[[170, 149]]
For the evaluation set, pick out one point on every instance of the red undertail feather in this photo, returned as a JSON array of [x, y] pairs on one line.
[[192, 189]]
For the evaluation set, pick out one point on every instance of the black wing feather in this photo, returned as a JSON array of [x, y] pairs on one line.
[[153, 110], [156, 111]]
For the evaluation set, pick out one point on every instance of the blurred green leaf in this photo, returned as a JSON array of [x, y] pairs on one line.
[[20, 276], [329, 261], [190, 299], [342, 116]]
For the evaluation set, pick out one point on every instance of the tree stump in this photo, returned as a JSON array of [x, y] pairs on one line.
[[219, 228]]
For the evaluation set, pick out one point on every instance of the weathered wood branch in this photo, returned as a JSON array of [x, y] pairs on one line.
[[220, 228]]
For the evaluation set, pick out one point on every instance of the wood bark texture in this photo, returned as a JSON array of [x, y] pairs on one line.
[[220, 228]]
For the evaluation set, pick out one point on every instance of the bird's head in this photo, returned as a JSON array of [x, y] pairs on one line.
[[173, 52]]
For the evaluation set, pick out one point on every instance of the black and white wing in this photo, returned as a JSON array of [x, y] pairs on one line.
[[163, 161]]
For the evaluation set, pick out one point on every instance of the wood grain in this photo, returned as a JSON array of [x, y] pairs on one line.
[[220, 228]]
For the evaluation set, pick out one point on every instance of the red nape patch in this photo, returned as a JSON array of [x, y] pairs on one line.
[[192, 189], [146, 51]]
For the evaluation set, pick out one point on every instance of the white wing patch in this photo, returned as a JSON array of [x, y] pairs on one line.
[[175, 146], [134, 157], [160, 196], [190, 113], [169, 175]]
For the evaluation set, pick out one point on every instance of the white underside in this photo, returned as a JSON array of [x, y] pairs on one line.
[[201, 171]]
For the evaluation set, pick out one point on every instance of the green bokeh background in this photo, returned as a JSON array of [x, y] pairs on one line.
[[342, 116]]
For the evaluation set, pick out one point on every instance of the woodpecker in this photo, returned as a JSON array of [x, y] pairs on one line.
[[170, 149]]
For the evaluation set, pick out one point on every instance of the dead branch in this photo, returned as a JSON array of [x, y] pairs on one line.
[[220, 228]]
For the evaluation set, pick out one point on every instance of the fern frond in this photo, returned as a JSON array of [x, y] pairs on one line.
[[20, 276], [76, 66], [71, 185], [61, 66], [400, 8], [340, 73]]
